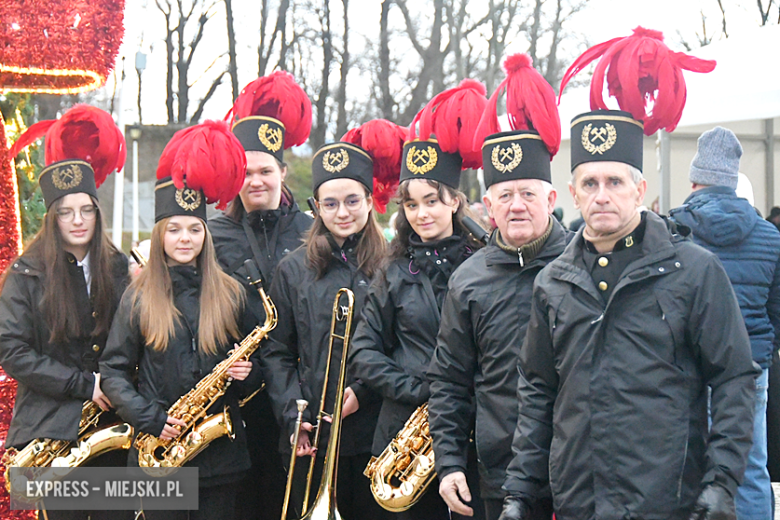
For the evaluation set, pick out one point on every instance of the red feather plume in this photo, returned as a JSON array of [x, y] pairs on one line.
[[640, 68], [84, 132], [530, 104], [209, 157], [384, 142], [279, 96], [452, 117]]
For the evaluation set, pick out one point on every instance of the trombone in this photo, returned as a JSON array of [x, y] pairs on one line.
[[324, 506]]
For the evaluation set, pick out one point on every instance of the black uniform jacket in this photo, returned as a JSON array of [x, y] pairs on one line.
[[164, 376], [294, 358], [396, 336], [483, 323], [53, 380], [613, 394], [278, 232]]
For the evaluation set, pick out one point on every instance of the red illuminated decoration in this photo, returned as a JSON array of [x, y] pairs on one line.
[[58, 46]]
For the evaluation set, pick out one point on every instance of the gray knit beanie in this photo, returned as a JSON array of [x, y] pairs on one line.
[[717, 159]]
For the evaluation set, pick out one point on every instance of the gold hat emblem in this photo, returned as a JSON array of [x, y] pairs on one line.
[[271, 138], [66, 178], [188, 199], [506, 159], [334, 162], [420, 162], [600, 139]]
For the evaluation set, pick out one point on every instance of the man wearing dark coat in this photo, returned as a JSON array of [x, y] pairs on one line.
[[488, 304], [629, 328]]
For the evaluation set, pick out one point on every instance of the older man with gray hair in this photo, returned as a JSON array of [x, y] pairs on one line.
[[487, 308]]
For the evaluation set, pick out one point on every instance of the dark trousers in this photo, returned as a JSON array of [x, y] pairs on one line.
[[262, 489], [214, 503], [353, 490]]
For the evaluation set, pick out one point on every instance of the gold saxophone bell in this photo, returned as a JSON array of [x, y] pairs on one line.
[[92, 442], [405, 469], [324, 506]]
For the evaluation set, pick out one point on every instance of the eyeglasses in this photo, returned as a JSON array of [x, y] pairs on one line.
[[332, 205], [68, 214]]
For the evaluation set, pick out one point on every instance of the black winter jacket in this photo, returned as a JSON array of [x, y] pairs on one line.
[[53, 380], [483, 324], [278, 232], [294, 358], [613, 395], [396, 335], [165, 376]]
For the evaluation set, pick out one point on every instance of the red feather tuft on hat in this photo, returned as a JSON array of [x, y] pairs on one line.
[[530, 104], [384, 142], [83, 132], [640, 68], [452, 117], [280, 97], [209, 157]]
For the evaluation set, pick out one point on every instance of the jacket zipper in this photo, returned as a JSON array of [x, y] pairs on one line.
[[520, 258]]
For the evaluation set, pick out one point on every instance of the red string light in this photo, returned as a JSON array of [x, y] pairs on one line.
[[58, 46]]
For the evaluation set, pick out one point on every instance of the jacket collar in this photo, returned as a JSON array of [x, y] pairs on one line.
[[657, 247], [710, 190], [552, 248]]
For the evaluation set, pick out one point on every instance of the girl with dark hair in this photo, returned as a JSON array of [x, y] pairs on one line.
[[59, 297], [182, 315], [263, 223], [344, 248], [396, 336]]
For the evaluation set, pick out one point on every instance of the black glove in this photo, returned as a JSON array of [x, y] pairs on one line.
[[714, 503], [515, 508]]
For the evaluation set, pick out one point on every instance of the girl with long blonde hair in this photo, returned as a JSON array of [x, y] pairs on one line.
[[182, 315]]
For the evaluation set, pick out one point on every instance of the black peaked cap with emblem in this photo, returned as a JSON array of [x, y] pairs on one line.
[[424, 159], [261, 134], [170, 201], [514, 155], [606, 135], [271, 114], [65, 177], [342, 160]]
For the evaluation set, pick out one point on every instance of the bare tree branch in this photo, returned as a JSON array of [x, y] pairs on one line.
[[199, 111]]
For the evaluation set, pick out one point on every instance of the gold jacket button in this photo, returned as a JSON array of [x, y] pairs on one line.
[[94, 314], [603, 286], [71, 260], [96, 348], [603, 261]]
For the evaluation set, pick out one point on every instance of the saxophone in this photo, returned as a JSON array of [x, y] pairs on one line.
[[405, 469], [44, 453], [192, 407]]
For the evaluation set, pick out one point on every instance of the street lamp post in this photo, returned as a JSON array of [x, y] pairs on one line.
[[135, 135]]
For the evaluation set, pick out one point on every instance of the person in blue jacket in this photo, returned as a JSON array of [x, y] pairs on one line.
[[749, 248]]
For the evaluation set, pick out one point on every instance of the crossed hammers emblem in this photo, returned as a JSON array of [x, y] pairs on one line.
[[189, 195], [507, 154], [420, 155], [598, 133]]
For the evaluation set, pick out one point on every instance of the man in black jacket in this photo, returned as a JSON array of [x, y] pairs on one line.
[[484, 319], [629, 327]]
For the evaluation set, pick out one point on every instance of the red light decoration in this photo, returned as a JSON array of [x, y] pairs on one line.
[[58, 46], [10, 243]]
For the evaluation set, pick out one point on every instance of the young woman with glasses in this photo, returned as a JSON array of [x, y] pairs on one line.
[[396, 337], [344, 248], [59, 297]]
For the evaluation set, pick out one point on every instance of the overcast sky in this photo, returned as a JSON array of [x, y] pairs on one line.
[[600, 21]]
